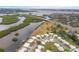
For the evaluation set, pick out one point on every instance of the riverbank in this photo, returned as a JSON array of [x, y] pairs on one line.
[[43, 28], [26, 22]]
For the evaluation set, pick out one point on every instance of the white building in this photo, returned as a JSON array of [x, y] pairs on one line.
[[48, 51], [23, 49], [46, 35], [72, 47], [37, 50], [40, 47], [76, 50], [33, 37], [26, 45], [30, 40], [51, 40], [38, 36], [42, 35], [61, 49], [42, 42], [57, 45]]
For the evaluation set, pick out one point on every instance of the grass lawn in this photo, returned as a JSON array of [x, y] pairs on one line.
[[9, 19], [1, 50], [50, 46]]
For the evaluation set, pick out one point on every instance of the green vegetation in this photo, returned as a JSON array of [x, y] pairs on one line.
[[14, 39], [1, 50], [9, 19], [50, 46], [72, 39], [27, 21], [34, 18], [16, 34]]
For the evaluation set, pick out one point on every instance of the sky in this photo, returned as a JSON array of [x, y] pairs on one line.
[[41, 3]]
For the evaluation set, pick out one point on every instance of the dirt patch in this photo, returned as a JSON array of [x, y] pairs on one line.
[[46, 27]]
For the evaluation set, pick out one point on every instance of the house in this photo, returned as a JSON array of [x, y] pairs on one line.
[[76, 50], [26, 45], [65, 42], [46, 35], [42, 36], [72, 47], [33, 37], [56, 44], [51, 40], [38, 36], [23, 49], [40, 47], [61, 49], [30, 40], [48, 51], [42, 42], [37, 50]]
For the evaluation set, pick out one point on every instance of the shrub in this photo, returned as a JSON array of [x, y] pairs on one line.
[[14, 39], [16, 34], [1, 50]]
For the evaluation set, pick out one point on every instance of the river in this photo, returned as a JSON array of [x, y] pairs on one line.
[[10, 46]]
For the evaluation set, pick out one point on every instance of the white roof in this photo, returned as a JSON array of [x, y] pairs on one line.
[[30, 40], [22, 49], [59, 38], [46, 41], [26, 44], [42, 42], [56, 44], [46, 34], [33, 37], [55, 35], [77, 50], [72, 47], [51, 34], [51, 39], [42, 35], [38, 36], [37, 50], [60, 49], [40, 46], [63, 40], [48, 51], [66, 43]]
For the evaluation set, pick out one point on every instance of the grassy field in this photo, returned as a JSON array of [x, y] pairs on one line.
[[50, 46], [9, 19], [27, 21]]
